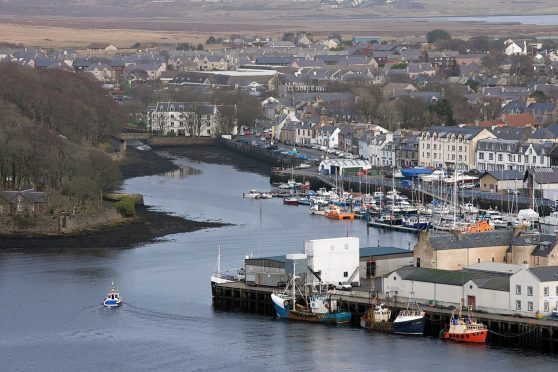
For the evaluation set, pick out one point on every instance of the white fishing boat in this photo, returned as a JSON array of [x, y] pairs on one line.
[[317, 209], [112, 298], [229, 276]]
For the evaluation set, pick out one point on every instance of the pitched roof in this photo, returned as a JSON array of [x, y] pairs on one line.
[[496, 283], [548, 132], [505, 175], [471, 240], [520, 120], [545, 274], [543, 175], [448, 277]]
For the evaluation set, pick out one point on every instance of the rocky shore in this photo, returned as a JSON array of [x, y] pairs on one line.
[[149, 225]]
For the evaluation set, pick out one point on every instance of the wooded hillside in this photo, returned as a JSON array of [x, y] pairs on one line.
[[54, 128]]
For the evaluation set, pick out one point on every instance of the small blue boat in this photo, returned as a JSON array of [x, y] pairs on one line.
[[113, 298]]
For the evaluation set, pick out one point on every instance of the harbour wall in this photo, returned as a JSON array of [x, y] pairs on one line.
[[504, 330], [271, 157]]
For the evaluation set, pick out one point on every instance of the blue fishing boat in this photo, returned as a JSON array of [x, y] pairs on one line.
[[410, 321], [319, 308]]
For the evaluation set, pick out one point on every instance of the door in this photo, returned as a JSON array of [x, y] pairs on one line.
[[371, 269], [471, 301]]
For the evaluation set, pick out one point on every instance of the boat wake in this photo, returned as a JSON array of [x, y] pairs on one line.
[[141, 311]]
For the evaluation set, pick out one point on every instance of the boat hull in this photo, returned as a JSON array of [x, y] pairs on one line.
[[409, 325], [284, 312], [468, 337], [112, 303], [385, 327]]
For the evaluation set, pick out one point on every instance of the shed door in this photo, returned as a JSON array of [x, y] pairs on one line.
[[471, 301]]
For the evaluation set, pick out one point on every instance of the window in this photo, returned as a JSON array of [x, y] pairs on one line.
[[546, 306], [481, 155], [428, 146], [517, 289], [546, 291], [500, 157], [460, 148], [530, 306], [345, 274], [435, 147], [542, 160], [453, 148], [478, 260], [529, 291], [534, 159], [519, 158], [557, 291], [490, 156], [526, 158], [509, 157], [518, 305]]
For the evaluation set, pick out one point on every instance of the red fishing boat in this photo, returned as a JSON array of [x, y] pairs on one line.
[[464, 329]]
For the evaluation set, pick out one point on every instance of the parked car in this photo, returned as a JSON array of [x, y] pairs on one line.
[[514, 192], [343, 286]]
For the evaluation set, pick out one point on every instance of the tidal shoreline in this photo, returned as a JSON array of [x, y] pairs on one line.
[[148, 226]]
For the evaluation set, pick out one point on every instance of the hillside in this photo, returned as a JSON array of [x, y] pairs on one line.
[[54, 128]]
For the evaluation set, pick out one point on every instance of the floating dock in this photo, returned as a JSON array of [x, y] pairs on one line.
[[393, 227], [503, 330]]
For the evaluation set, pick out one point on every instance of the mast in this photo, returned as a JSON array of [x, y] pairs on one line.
[[455, 198], [294, 285]]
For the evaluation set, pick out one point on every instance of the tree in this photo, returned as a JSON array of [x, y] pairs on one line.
[[437, 35], [539, 97], [226, 119], [411, 112], [493, 62], [442, 112], [211, 40], [473, 84], [399, 66]]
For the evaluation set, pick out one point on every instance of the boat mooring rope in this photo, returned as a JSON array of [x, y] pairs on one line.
[[511, 336]]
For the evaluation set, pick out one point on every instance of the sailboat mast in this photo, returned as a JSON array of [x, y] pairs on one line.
[[294, 285]]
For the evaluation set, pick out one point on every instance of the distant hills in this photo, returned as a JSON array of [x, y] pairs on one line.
[[234, 10]]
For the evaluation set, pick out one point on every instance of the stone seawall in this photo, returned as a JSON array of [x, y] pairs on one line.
[[271, 157], [157, 141]]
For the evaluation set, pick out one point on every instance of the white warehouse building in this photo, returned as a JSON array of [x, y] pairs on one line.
[[336, 260]]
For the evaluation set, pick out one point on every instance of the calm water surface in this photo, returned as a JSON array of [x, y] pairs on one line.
[[51, 318]]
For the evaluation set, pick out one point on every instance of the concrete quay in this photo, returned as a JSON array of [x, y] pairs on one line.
[[536, 334]]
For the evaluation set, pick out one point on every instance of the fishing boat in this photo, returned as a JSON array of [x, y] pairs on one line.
[[410, 321], [319, 308], [266, 195], [469, 208], [377, 318], [113, 298], [464, 329], [228, 276], [290, 201]]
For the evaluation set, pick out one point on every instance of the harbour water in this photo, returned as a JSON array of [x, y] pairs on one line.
[[51, 318]]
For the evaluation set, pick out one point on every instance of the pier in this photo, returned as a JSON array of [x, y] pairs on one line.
[[529, 333]]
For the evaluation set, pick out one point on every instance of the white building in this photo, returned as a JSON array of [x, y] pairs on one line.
[[499, 154], [335, 260], [343, 166], [376, 147], [492, 287], [328, 136], [188, 119]]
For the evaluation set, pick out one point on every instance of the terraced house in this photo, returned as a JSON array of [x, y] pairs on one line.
[[451, 147], [501, 154]]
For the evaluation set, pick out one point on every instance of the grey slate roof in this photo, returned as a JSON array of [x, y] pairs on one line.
[[550, 131], [497, 283], [543, 175], [545, 274], [421, 274], [443, 131], [471, 240], [504, 175]]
